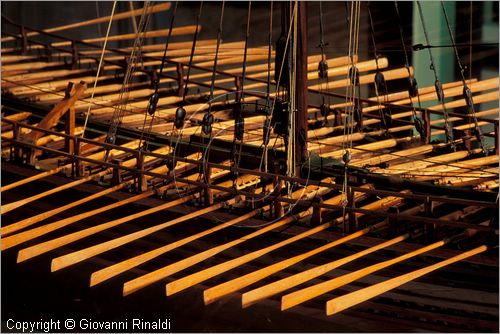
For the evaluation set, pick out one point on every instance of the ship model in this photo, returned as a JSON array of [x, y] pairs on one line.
[[251, 184]]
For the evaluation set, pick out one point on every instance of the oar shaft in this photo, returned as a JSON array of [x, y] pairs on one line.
[[341, 303], [31, 179], [86, 253], [11, 206], [116, 269], [152, 277]]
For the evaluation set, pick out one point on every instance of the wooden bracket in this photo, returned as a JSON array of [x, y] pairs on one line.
[[353, 221], [141, 183], [426, 117], [207, 192], [24, 40], [73, 93], [316, 218], [117, 175], [180, 79]]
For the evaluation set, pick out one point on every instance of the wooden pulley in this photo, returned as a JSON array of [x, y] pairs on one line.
[[358, 113], [420, 128], [323, 69], [324, 110], [439, 90], [379, 81], [468, 97], [208, 120], [180, 115], [354, 75], [346, 158], [153, 101], [171, 161], [279, 119], [412, 86]]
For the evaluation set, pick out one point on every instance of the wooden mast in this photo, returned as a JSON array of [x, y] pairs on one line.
[[301, 115]]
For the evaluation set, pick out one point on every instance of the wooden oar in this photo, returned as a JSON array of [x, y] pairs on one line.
[[11, 206], [118, 268], [384, 202], [16, 239], [5, 230], [31, 178], [198, 277], [300, 296], [341, 303], [286, 283], [152, 277], [36, 232], [221, 290], [86, 253], [116, 17], [49, 245]]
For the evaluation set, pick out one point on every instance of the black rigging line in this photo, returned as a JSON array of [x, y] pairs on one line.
[[153, 101], [323, 67], [379, 81], [467, 92], [193, 47], [437, 84], [413, 86]]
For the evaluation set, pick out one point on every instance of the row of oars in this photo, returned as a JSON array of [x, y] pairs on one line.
[[224, 289]]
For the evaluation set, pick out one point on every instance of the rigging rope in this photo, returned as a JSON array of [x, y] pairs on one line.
[[99, 67], [413, 86], [466, 93], [131, 66], [437, 84], [379, 78], [153, 100]]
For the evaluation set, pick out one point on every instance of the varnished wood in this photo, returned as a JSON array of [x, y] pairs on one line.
[[300, 296], [31, 179], [118, 268], [83, 254], [52, 244], [351, 299]]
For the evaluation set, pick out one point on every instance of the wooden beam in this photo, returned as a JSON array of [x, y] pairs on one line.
[[341, 303], [300, 296], [286, 283], [52, 244], [6, 230], [102, 19], [86, 253], [118, 268], [221, 290], [31, 179], [11, 206], [198, 277], [154, 276], [57, 112]]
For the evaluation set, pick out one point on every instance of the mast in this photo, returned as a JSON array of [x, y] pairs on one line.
[[301, 88]]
